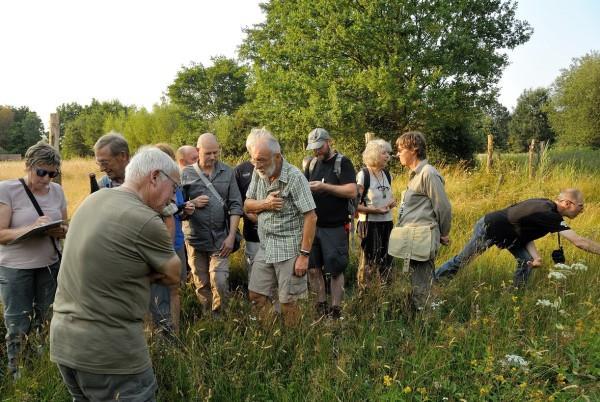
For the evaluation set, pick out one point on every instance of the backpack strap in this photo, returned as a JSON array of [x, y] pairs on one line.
[[337, 165], [366, 185]]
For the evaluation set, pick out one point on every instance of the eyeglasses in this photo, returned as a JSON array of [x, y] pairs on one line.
[[43, 172], [383, 188], [175, 184]]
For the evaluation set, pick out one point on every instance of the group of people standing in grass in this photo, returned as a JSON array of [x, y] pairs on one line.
[[128, 247]]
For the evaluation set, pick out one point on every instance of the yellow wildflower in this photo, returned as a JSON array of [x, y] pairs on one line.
[[484, 391], [500, 378], [422, 390], [523, 385], [387, 380], [407, 390], [515, 299], [474, 363]]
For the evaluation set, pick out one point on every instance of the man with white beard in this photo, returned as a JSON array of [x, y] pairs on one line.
[[281, 198]]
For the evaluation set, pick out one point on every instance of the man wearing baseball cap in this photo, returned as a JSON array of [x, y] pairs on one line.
[[332, 181]]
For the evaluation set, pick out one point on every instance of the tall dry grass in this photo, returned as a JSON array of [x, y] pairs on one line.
[[458, 351]]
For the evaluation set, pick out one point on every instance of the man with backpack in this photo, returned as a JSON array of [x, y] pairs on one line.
[[331, 178]]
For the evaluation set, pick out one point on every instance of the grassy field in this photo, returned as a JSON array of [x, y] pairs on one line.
[[461, 350]]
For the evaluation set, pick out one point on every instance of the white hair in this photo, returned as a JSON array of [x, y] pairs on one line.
[[255, 135], [373, 149], [147, 159]]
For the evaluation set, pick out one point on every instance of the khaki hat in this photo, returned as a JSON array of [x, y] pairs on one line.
[[317, 138]]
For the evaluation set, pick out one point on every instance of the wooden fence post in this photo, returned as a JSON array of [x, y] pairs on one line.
[[54, 138], [531, 157], [490, 152]]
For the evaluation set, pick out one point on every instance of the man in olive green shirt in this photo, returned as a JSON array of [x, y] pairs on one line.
[[118, 246]]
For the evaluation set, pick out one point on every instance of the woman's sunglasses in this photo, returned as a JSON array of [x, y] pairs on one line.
[[44, 172]]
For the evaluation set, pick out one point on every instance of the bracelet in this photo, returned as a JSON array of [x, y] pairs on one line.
[[305, 253]]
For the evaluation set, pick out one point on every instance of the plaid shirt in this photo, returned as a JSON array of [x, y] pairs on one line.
[[280, 232]]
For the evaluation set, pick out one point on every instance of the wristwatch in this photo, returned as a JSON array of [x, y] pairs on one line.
[[305, 253]]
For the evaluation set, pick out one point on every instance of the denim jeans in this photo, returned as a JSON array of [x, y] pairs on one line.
[[26, 296], [160, 298], [476, 246]]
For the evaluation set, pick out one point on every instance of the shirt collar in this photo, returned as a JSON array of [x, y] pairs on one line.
[[419, 168], [285, 171]]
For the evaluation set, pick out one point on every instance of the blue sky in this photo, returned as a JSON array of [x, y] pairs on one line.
[[562, 30], [57, 51]]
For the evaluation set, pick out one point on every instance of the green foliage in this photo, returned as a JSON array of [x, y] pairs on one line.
[[530, 120], [20, 128], [140, 127], [206, 93], [83, 125], [380, 65], [575, 111], [493, 119]]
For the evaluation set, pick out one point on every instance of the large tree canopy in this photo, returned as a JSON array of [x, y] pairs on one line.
[[380, 65], [206, 93], [575, 111]]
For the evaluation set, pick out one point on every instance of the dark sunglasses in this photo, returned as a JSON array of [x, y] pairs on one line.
[[44, 172]]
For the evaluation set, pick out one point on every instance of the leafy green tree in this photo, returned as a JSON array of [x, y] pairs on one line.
[[575, 103], [20, 128], [67, 112], [206, 93], [493, 119], [84, 127], [380, 65], [7, 117], [141, 127], [530, 119]]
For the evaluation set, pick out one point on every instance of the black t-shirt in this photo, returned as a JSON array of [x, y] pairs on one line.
[[523, 222], [332, 211], [243, 176]]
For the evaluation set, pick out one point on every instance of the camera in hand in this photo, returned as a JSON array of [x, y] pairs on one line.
[[558, 256]]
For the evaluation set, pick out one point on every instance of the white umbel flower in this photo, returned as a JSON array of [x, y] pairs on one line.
[[515, 361], [556, 275]]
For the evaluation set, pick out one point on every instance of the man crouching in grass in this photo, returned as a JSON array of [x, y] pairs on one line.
[[118, 247]]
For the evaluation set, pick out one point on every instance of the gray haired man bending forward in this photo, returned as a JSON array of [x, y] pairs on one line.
[[116, 246]]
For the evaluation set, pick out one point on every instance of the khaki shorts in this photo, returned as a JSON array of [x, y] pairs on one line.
[[267, 276]]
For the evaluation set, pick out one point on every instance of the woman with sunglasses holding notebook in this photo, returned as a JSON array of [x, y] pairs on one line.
[[29, 265]]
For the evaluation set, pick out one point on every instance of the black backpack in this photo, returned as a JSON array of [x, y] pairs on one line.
[[367, 183]]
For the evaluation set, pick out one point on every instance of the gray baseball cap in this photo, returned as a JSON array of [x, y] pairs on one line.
[[317, 138]]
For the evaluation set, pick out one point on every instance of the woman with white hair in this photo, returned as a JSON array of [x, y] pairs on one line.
[[375, 213], [29, 266]]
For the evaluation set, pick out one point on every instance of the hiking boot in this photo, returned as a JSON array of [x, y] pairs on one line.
[[322, 309], [336, 313]]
